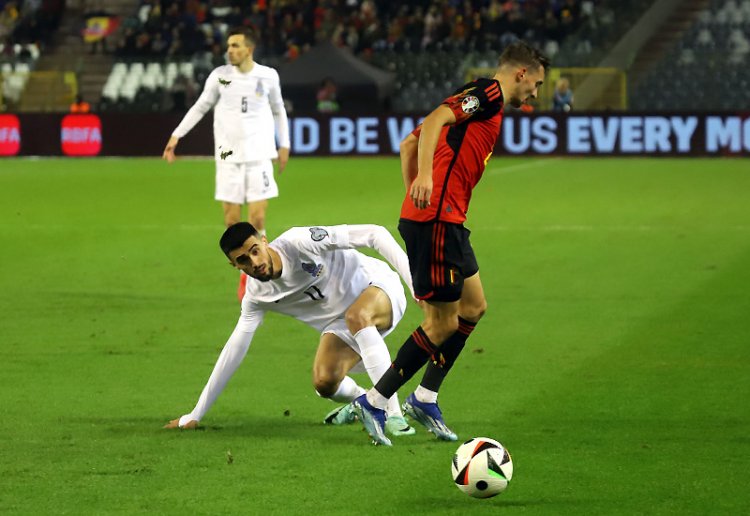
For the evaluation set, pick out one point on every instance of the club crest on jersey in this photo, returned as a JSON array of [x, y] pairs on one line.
[[469, 104], [259, 89], [224, 82], [318, 234], [312, 269]]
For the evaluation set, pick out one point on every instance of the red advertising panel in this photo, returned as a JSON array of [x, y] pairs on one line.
[[10, 135], [81, 135]]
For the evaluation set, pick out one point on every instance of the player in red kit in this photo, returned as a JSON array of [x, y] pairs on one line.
[[441, 162]]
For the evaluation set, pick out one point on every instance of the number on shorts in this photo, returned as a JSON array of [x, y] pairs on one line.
[[244, 104], [266, 182]]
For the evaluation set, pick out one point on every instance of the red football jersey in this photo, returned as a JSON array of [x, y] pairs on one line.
[[461, 153]]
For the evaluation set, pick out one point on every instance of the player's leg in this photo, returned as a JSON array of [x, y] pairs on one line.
[[422, 404], [256, 215], [232, 213], [374, 314], [436, 280], [471, 308], [260, 186], [230, 191], [333, 360]]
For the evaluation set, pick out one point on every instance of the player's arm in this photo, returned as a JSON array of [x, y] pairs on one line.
[[281, 122], [421, 188], [229, 360], [203, 105], [408, 151]]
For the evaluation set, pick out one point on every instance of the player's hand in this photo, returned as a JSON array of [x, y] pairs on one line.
[[175, 423], [168, 153], [421, 191], [283, 158]]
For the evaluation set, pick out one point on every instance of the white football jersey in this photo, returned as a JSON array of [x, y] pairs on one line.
[[244, 106], [320, 278]]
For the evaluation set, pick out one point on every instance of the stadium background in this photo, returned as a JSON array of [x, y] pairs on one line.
[[613, 358]]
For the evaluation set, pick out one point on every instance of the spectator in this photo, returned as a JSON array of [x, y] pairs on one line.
[[80, 106], [562, 100], [327, 102], [182, 92]]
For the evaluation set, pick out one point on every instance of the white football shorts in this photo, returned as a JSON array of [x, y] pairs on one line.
[[240, 183], [390, 283]]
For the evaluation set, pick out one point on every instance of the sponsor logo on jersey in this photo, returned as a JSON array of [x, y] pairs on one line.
[[224, 82], [259, 89], [318, 234], [469, 104], [312, 269], [225, 154]]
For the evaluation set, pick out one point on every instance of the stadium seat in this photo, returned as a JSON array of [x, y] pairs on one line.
[[23, 69], [186, 68]]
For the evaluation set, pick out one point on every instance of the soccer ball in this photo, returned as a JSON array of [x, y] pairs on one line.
[[482, 467]]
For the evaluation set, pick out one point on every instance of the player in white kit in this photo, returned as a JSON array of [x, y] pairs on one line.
[[248, 114], [316, 275]]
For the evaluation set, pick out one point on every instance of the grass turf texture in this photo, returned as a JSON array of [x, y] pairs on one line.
[[613, 360]]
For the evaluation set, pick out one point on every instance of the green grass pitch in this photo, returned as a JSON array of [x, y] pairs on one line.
[[613, 361]]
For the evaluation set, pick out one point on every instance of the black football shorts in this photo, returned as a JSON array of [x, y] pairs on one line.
[[440, 257]]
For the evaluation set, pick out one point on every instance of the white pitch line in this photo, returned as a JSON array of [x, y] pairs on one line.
[[494, 171], [588, 228]]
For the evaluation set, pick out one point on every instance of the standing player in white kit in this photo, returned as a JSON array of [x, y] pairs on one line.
[[248, 113], [315, 275]]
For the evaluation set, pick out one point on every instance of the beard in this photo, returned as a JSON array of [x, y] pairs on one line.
[[266, 275]]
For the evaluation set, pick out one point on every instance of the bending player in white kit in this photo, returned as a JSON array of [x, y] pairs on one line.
[[248, 106], [315, 275]]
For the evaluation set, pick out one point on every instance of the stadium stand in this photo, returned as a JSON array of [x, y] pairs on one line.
[[164, 49], [706, 68], [457, 36]]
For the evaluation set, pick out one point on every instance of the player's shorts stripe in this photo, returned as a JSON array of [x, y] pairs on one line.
[[442, 254], [438, 253], [434, 260]]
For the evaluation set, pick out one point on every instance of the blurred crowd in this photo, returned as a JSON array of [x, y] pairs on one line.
[[166, 28], [28, 21]]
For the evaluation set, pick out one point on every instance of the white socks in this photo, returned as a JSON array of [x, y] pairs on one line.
[[425, 395], [348, 391], [377, 360]]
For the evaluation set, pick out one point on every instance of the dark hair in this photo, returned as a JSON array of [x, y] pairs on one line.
[[235, 235], [521, 53], [243, 31]]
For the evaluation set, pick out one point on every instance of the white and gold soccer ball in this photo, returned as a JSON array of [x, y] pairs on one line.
[[482, 467]]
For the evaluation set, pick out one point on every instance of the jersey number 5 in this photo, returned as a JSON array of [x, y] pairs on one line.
[[244, 104]]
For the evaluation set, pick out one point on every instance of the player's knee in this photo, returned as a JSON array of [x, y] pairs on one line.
[[325, 384], [474, 311], [439, 329], [357, 319]]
